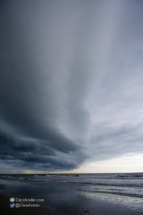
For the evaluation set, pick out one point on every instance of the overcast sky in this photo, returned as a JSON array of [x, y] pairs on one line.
[[71, 86]]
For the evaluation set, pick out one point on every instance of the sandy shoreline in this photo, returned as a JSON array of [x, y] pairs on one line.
[[59, 200]]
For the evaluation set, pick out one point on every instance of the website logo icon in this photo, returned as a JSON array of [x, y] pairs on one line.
[[12, 199]]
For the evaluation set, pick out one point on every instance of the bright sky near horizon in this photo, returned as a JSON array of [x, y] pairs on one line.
[[71, 86]]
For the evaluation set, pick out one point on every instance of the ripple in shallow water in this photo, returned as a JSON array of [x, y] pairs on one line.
[[133, 203]]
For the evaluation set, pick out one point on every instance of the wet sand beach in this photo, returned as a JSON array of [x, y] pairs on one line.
[[59, 199]]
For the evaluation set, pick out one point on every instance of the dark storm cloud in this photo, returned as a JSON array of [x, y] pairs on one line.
[[70, 82], [31, 153], [32, 86]]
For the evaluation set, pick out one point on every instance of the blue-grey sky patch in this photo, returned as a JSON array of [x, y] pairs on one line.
[[70, 82]]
